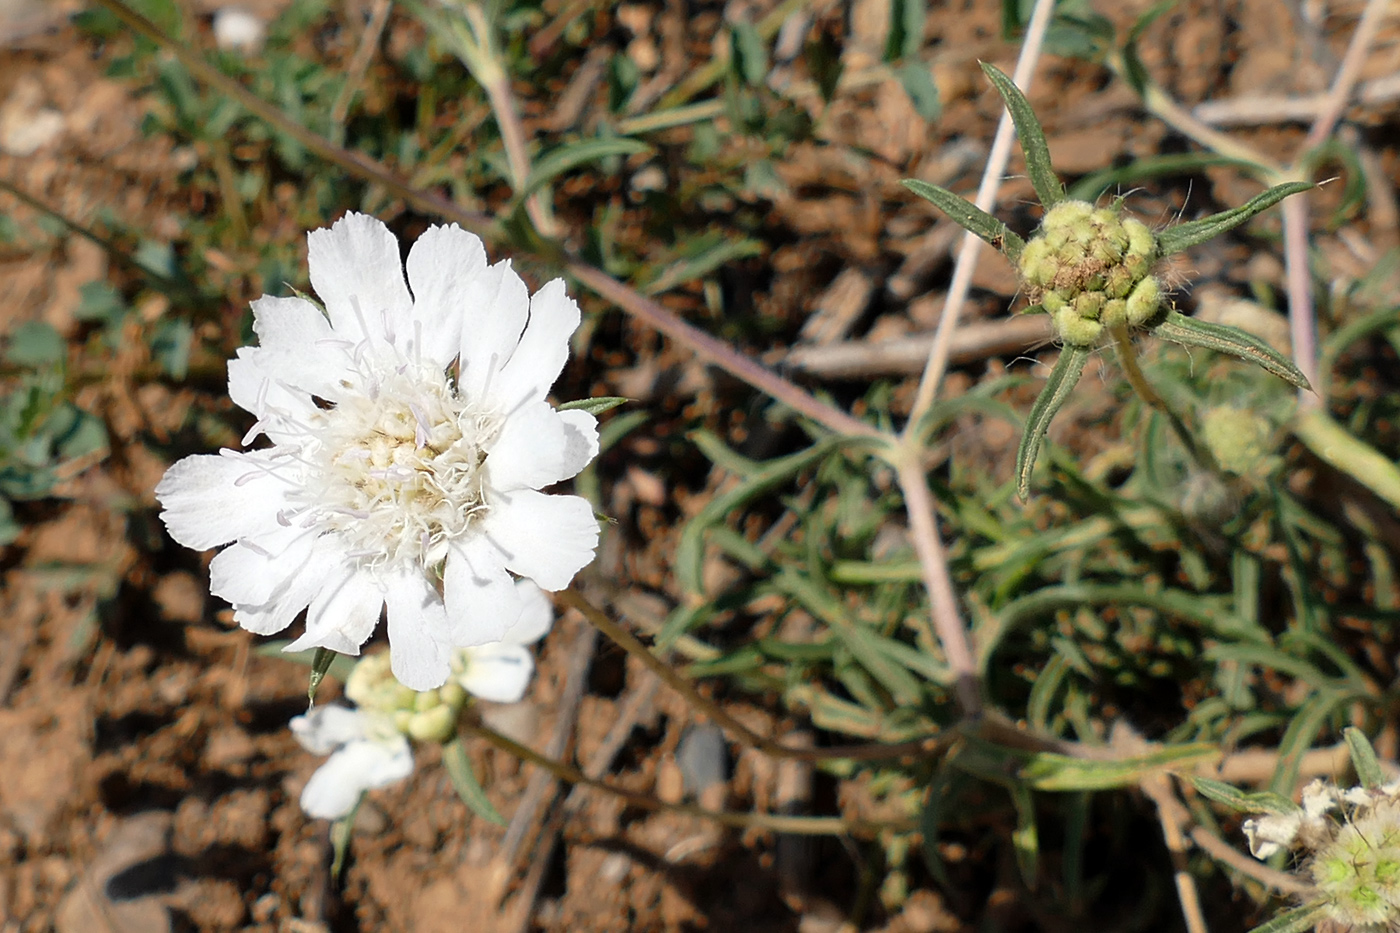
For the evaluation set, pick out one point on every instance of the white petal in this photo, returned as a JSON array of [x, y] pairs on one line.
[[282, 412], [358, 273], [326, 728], [326, 560], [543, 350], [497, 305], [545, 538], [297, 347], [539, 446], [360, 766], [536, 615], [499, 673], [418, 631], [442, 265], [251, 570], [1269, 834], [211, 499], [482, 600], [343, 614]]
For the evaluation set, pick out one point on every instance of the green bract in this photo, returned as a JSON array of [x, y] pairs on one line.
[[1090, 269]]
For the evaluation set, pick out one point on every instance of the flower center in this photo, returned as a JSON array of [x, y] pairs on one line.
[[397, 467]]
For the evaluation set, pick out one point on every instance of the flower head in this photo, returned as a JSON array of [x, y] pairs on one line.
[[394, 477]]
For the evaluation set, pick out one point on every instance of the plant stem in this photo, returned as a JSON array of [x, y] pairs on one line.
[[1127, 356], [628, 642], [794, 825]]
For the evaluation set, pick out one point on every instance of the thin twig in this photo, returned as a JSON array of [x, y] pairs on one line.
[[1222, 851], [355, 74], [638, 700], [1302, 316], [542, 783], [864, 359], [986, 199], [797, 825], [1174, 818]]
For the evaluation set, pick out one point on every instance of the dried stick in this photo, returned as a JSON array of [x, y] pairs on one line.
[[1174, 818], [1302, 316], [542, 783], [987, 191], [355, 74]]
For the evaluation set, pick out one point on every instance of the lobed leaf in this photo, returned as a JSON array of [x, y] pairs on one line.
[[1183, 236], [1043, 177], [1363, 758], [970, 217], [1193, 332], [1063, 378]]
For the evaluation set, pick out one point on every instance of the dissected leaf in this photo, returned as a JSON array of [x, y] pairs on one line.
[[970, 217], [1183, 236], [1193, 332], [1063, 378], [1047, 184]]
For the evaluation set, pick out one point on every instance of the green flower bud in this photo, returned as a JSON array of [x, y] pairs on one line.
[[1094, 263], [371, 685], [433, 725], [1236, 438]]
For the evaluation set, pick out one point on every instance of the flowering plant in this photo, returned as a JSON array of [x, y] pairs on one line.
[[369, 745], [394, 475]]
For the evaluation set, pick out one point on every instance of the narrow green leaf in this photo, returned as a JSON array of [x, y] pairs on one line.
[[571, 155], [459, 769], [1043, 177], [1296, 920], [596, 405], [341, 831], [1183, 236], [970, 217], [1063, 378], [702, 264], [917, 81], [320, 663], [1025, 838], [1047, 771], [1242, 802], [1193, 332], [1363, 758], [1346, 452]]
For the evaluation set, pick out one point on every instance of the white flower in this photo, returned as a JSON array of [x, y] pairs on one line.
[[501, 671], [366, 751], [387, 479]]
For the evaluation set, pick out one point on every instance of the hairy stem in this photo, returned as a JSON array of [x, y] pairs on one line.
[[1127, 357]]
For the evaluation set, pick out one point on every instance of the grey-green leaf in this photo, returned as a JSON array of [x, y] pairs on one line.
[[1043, 177], [571, 155], [1241, 802], [970, 217], [1363, 758], [1183, 236], [320, 663], [1063, 378], [1221, 338], [596, 405], [459, 769]]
